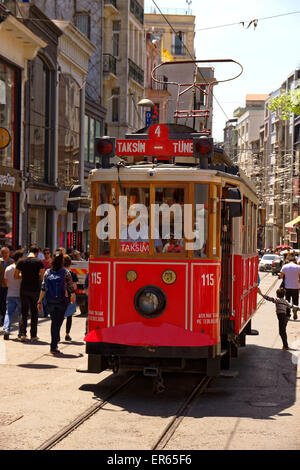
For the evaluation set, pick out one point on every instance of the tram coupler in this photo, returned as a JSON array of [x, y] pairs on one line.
[[158, 382], [151, 371]]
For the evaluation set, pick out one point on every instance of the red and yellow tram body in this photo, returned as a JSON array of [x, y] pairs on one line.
[[165, 305]]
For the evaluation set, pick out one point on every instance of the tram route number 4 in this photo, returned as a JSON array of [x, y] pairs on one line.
[[96, 278], [208, 279]]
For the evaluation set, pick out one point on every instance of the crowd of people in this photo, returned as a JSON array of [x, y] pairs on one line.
[[39, 282]]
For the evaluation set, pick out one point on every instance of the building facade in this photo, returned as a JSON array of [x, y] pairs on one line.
[[177, 43], [124, 61], [18, 46]]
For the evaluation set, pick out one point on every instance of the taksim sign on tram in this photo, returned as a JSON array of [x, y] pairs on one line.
[[158, 144]]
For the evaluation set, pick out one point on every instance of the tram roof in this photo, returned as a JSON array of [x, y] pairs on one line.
[[168, 172]]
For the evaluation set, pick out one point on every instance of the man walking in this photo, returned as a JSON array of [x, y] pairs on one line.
[[5, 261], [31, 271], [291, 274], [13, 294]]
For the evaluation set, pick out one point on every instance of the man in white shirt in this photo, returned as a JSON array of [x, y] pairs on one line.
[[291, 274], [13, 294]]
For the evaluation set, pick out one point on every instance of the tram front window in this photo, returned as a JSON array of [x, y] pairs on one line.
[[168, 216], [134, 220], [201, 194]]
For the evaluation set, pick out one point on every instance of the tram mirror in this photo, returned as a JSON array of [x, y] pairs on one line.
[[74, 198], [235, 208]]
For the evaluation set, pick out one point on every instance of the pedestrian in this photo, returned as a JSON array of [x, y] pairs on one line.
[[13, 301], [5, 261], [47, 264], [77, 256], [31, 271], [47, 258], [67, 265], [290, 273], [57, 287], [40, 254], [282, 311]]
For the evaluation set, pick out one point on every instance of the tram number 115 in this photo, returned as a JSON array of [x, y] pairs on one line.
[[208, 279], [96, 278]]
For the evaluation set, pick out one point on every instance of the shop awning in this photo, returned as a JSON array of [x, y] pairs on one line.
[[293, 222]]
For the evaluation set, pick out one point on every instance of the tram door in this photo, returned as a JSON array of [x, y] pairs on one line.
[[226, 275]]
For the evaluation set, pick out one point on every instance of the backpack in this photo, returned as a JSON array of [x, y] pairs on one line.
[[55, 286]]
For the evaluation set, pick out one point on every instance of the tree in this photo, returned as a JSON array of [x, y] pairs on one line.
[[286, 104]]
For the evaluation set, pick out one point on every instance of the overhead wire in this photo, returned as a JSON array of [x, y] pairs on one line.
[[193, 58]]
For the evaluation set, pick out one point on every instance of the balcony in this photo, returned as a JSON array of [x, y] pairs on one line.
[[109, 64], [110, 8], [159, 86], [137, 11], [135, 72]]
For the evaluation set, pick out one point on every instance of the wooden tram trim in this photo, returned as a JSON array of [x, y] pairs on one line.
[[189, 198]]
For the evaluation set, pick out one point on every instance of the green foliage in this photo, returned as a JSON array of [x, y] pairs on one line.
[[286, 104]]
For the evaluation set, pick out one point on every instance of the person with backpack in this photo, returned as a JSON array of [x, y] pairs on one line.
[[58, 288]]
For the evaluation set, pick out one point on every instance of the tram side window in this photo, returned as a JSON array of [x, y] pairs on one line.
[[104, 228], [134, 220], [168, 219], [201, 195], [245, 226]]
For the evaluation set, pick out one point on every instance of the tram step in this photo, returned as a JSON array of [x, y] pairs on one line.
[[229, 374], [253, 333]]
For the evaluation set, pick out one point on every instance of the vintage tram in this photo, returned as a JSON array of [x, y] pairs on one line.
[[173, 263]]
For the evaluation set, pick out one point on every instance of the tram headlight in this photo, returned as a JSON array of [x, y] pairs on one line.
[[150, 301]]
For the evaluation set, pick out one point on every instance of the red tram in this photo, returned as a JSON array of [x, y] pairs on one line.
[[173, 266]]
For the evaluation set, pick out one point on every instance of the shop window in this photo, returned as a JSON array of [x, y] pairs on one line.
[[37, 224], [8, 79], [6, 218]]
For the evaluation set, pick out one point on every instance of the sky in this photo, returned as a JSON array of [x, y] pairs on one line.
[[268, 53]]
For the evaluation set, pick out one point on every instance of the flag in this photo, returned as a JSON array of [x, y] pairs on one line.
[[165, 54]]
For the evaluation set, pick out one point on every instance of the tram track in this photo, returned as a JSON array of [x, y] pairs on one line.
[[171, 428], [163, 438], [64, 432]]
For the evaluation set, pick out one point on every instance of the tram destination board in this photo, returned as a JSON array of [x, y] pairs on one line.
[[158, 145]]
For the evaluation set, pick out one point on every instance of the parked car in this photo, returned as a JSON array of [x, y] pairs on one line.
[[265, 263], [277, 264]]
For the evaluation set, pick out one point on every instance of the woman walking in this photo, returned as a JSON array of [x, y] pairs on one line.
[[58, 288]]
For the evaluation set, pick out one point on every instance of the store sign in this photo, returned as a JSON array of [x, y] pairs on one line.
[[10, 179], [4, 138]]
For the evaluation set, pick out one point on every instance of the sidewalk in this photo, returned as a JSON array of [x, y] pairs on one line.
[[41, 393]]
